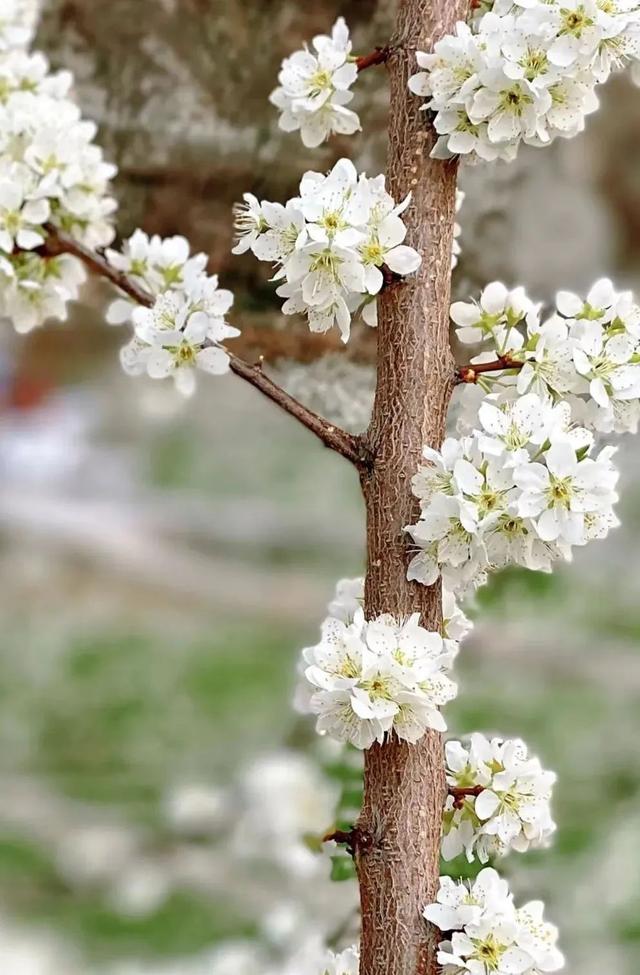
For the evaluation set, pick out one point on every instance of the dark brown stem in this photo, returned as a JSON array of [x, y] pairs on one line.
[[379, 56], [58, 243], [405, 785], [469, 374], [461, 793], [390, 278], [349, 446], [356, 840]]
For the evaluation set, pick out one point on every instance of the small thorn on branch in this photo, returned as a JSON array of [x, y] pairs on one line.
[[460, 794], [469, 374], [356, 840], [377, 56]]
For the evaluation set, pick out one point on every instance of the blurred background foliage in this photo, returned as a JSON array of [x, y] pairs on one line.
[[162, 563]]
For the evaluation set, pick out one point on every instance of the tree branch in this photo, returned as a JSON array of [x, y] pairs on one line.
[[469, 374], [378, 56], [334, 437], [351, 447], [58, 243]]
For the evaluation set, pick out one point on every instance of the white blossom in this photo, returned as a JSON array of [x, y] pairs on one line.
[[314, 88], [458, 904], [186, 328], [511, 812], [347, 600], [51, 173], [34, 290], [585, 353], [17, 23], [343, 963], [561, 492], [523, 489], [330, 245], [523, 72], [488, 934], [373, 678], [457, 231], [495, 316]]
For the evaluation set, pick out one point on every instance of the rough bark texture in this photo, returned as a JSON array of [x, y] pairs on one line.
[[405, 785]]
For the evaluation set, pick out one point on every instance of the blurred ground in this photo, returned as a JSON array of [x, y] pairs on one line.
[[161, 565]]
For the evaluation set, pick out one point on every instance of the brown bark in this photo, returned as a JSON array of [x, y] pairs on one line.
[[405, 786]]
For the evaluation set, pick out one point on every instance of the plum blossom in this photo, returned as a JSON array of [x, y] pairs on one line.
[[330, 245], [561, 492], [343, 963], [523, 73], [21, 217], [488, 933], [182, 332], [370, 679], [52, 174], [523, 489], [511, 809], [347, 600], [314, 88], [17, 23]]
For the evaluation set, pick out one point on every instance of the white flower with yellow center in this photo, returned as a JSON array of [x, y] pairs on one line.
[[370, 680], [314, 88], [560, 492]]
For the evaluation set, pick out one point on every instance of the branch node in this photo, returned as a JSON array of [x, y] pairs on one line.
[[461, 793], [378, 56], [357, 841], [469, 374]]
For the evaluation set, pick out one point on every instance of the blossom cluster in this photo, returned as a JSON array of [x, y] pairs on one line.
[[51, 173], [499, 799], [331, 245], [525, 71], [522, 490], [343, 963], [314, 88], [349, 598], [488, 934], [186, 325], [585, 353], [524, 481], [364, 680], [17, 23]]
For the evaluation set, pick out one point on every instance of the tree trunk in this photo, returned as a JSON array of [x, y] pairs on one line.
[[405, 785]]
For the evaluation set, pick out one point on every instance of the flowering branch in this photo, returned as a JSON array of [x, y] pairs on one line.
[[380, 55], [351, 447], [469, 374]]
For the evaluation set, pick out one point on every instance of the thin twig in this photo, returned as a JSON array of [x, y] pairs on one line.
[[351, 447], [469, 374], [58, 243], [334, 437], [461, 793], [377, 56]]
